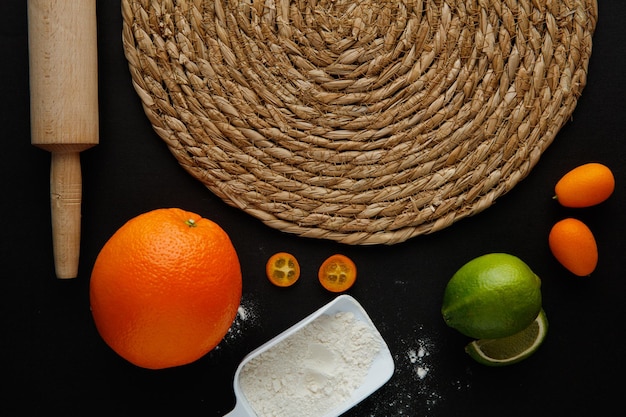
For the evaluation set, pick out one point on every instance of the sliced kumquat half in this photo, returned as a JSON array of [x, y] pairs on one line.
[[337, 273], [282, 269]]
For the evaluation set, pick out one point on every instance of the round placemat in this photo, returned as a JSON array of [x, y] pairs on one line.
[[359, 121]]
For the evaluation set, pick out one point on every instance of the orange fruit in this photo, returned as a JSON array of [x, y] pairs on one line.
[[585, 186], [165, 288], [572, 243], [282, 269], [337, 273]]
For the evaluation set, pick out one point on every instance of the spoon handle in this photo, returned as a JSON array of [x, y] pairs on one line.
[[239, 411]]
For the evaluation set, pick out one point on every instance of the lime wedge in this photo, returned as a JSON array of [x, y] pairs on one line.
[[511, 349]]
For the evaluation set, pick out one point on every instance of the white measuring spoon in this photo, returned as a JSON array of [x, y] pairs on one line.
[[380, 372]]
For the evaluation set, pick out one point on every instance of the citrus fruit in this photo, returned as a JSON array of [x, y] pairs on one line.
[[165, 288], [585, 186], [492, 296], [337, 273], [572, 243], [282, 269], [511, 349]]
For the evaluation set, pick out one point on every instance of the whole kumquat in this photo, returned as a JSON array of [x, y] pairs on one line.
[[282, 269], [585, 186], [572, 243], [165, 288], [337, 273]]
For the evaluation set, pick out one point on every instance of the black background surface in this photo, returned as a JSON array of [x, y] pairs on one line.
[[53, 360]]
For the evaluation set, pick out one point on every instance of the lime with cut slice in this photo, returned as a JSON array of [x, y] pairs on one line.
[[511, 349]]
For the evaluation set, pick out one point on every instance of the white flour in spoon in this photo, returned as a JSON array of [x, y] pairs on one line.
[[312, 371]]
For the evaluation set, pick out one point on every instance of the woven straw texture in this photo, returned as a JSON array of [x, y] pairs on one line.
[[358, 121]]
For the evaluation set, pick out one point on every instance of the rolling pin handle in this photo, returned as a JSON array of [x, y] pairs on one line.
[[65, 205]]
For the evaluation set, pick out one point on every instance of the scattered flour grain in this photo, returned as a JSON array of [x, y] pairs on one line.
[[246, 317]]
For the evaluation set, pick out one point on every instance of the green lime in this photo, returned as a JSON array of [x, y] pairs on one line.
[[492, 296], [511, 349]]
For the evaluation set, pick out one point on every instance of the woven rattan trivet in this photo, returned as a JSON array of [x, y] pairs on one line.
[[360, 121]]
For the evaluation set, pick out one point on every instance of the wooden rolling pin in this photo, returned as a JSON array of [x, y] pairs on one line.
[[64, 110]]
